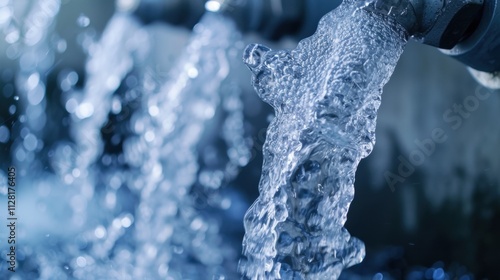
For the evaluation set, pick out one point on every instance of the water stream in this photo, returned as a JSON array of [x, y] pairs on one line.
[[109, 60], [31, 46], [325, 94], [173, 239], [136, 217]]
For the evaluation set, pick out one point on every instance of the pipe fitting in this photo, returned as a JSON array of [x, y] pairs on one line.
[[481, 49], [402, 11], [437, 23], [452, 22], [467, 30]]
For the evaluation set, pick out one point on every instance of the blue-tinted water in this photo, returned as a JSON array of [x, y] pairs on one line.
[[132, 214], [325, 94]]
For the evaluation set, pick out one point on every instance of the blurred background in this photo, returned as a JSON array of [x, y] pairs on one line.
[[138, 143]]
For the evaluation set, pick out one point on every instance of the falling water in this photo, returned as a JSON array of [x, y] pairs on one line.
[[325, 94], [7, 23], [173, 239], [110, 60], [49, 252], [31, 45], [137, 219]]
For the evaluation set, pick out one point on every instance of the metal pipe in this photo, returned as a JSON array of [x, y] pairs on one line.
[[468, 30], [481, 49]]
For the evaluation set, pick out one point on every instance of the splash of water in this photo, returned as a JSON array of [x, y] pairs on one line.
[[122, 45], [173, 238], [326, 94], [7, 23], [35, 57], [110, 60], [167, 236]]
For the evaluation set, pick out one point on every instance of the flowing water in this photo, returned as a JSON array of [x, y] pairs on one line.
[[137, 217], [31, 46], [173, 238], [325, 94], [110, 60]]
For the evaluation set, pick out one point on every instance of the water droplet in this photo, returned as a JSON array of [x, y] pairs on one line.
[[83, 20], [438, 274], [4, 134], [100, 232], [71, 105], [192, 72], [61, 45], [12, 109], [116, 106], [12, 36], [30, 142], [85, 110], [149, 136], [213, 6], [127, 220], [81, 261], [113, 82], [154, 111]]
